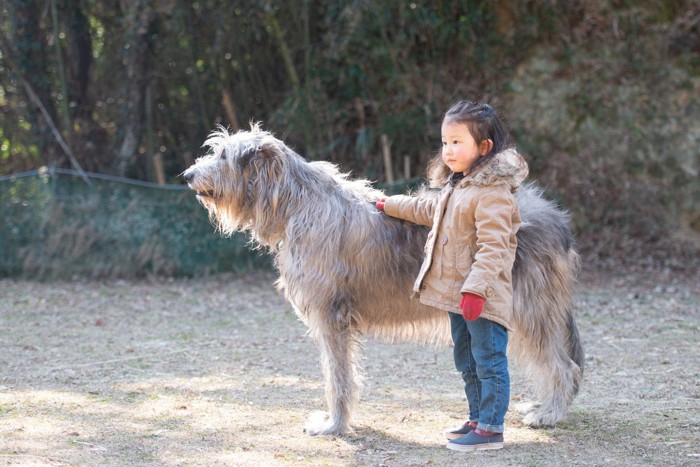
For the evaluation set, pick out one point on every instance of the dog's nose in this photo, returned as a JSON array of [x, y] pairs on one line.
[[188, 176]]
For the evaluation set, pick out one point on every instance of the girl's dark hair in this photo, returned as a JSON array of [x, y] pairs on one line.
[[483, 124]]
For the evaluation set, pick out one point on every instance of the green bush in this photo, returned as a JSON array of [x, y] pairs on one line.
[[59, 227]]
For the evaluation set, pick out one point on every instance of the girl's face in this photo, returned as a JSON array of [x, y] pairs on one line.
[[459, 149]]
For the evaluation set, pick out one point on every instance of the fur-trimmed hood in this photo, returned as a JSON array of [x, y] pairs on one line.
[[505, 168]]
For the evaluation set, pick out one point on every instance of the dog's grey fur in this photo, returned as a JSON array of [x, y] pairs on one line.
[[348, 269]]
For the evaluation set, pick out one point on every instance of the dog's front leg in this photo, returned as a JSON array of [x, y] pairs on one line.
[[339, 343]]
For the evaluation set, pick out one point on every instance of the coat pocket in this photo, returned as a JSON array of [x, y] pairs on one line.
[[441, 257], [464, 262]]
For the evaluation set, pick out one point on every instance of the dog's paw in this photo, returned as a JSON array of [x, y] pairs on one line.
[[320, 423], [525, 407], [541, 419]]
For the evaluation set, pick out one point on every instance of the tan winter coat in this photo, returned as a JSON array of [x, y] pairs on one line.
[[471, 246]]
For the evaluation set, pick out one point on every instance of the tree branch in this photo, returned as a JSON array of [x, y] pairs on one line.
[[7, 56]]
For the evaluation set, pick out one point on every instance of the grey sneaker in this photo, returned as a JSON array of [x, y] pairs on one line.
[[459, 432], [473, 441]]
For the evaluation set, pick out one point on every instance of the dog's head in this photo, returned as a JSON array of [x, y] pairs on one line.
[[236, 179]]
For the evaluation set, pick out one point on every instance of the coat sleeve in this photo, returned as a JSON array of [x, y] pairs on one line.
[[410, 208], [494, 225]]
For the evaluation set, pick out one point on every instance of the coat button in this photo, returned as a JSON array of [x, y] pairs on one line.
[[489, 292], [423, 287]]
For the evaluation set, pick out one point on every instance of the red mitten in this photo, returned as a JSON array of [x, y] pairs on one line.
[[472, 305], [380, 204]]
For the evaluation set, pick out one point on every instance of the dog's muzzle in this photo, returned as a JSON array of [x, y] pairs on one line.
[[189, 178]]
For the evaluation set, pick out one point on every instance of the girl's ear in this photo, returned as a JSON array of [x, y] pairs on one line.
[[485, 146]]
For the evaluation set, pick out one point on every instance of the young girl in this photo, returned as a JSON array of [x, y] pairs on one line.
[[469, 257]]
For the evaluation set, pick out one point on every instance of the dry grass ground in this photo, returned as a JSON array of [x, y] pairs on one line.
[[218, 371]]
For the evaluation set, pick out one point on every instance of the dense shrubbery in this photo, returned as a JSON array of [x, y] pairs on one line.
[[58, 227]]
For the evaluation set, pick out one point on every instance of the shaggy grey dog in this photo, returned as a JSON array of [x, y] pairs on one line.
[[348, 269]]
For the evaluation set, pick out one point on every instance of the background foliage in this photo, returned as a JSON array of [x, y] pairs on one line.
[[602, 96], [57, 227]]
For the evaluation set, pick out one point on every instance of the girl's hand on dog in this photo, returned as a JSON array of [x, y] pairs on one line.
[[380, 204], [472, 305]]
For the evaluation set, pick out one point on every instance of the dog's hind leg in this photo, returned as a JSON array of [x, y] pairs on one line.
[[339, 343], [555, 377]]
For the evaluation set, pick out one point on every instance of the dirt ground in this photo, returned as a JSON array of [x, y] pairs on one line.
[[218, 371]]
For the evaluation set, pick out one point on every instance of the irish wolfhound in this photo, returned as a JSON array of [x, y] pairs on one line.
[[348, 269]]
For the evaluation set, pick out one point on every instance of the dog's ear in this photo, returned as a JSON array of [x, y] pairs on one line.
[[266, 151], [251, 155], [258, 154], [246, 157], [269, 163]]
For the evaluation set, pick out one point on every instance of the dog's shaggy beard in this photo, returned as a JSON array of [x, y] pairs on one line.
[[226, 211]]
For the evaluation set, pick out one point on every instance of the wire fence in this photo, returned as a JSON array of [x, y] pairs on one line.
[[54, 225], [53, 171]]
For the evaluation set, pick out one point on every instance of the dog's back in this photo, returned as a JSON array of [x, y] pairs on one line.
[[377, 258]]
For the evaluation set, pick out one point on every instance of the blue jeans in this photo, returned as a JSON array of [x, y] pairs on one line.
[[480, 355]]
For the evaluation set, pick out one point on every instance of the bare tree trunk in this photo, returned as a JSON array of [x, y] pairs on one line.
[[278, 33], [78, 56], [139, 18], [87, 137], [67, 133], [30, 48], [388, 162]]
